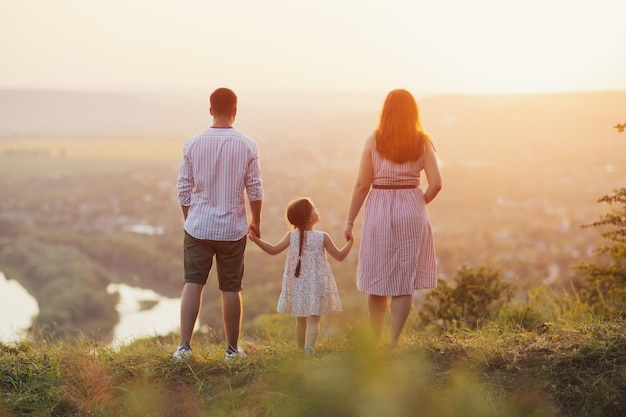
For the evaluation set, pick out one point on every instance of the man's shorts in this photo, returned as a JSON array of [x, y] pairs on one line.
[[198, 260]]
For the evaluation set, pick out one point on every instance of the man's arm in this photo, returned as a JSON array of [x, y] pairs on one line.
[[185, 211], [185, 183], [255, 223]]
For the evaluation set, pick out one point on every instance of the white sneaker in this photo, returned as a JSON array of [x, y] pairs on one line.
[[183, 352], [232, 354]]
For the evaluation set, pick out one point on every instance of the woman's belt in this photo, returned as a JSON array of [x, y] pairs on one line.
[[393, 186]]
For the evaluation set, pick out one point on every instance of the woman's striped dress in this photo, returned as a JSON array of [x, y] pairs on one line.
[[397, 253]]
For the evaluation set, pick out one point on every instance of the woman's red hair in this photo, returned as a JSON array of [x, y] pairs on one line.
[[400, 137]]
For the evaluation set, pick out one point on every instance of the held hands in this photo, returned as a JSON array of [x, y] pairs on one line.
[[347, 232], [254, 231], [349, 241], [343, 253]]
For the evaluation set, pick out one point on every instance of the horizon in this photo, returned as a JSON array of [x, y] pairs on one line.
[[204, 94]]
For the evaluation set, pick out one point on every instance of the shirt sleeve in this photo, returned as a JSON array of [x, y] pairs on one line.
[[185, 180], [254, 181]]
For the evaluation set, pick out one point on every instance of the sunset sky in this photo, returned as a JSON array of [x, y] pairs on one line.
[[428, 46]]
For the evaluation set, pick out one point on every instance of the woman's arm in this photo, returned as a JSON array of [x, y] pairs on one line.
[[331, 248], [361, 187], [433, 174], [268, 247]]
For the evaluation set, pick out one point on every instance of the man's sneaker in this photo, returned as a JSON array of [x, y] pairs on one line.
[[308, 351], [183, 352], [232, 354]]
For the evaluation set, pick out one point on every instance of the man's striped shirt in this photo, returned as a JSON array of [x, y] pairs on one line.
[[217, 167]]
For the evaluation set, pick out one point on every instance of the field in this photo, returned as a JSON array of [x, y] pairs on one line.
[[126, 147]]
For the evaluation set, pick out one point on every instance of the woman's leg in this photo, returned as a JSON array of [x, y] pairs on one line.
[[312, 329], [400, 309], [300, 331], [377, 307]]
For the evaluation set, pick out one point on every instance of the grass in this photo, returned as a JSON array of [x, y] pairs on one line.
[[558, 370], [26, 167]]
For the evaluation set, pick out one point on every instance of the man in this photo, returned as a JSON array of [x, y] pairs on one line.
[[218, 165]]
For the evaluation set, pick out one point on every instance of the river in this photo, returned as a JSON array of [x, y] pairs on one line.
[[18, 308], [163, 317]]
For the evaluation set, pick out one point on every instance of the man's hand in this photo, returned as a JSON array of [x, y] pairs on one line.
[[255, 229], [185, 211]]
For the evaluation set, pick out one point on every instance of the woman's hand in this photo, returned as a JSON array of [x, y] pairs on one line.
[[347, 232]]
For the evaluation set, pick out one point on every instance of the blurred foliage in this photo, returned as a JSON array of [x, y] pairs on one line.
[[572, 369], [475, 297]]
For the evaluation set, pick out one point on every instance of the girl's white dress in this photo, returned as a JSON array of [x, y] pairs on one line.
[[315, 291]]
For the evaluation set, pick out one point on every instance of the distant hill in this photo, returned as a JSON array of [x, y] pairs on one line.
[[40, 112], [30, 112], [48, 112]]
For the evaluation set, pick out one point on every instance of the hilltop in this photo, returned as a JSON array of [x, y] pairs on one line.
[[566, 370]]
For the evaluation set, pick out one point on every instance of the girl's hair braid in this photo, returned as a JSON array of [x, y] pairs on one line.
[[298, 214]]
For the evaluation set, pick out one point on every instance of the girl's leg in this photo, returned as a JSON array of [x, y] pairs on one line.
[[300, 331], [400, 309], [312, 329], [377, 306]]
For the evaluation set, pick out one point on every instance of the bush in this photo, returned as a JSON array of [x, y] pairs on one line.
[[605, 280], [476, 297]]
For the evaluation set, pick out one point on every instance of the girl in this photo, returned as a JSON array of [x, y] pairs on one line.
[[309, 289]]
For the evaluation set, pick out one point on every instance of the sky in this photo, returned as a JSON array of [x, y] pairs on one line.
[[427, 46]]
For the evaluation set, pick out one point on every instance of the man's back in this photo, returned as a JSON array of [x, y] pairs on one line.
[[218, 165]]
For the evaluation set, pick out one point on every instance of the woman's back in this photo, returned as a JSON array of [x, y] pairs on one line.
[[386, 172]]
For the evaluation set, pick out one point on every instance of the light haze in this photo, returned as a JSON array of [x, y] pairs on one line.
[[428, 46]]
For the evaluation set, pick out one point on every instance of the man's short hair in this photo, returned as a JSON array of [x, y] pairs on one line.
[[223, 101]]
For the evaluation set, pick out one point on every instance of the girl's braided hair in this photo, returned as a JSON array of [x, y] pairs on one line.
[[298, 214]]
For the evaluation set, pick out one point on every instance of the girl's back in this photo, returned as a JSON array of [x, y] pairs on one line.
[[314, 292]]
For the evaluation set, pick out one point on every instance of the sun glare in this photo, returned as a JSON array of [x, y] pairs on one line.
[[429, 46], [520, 47]]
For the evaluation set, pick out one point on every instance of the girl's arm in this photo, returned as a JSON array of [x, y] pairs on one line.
[[361, 187], [268, 247], [331, 248], [433, 174]]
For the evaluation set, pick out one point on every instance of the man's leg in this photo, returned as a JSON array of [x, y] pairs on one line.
[[189, 308], [232, 312]]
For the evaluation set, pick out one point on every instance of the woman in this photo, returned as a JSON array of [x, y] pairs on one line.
[[397, 253]]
